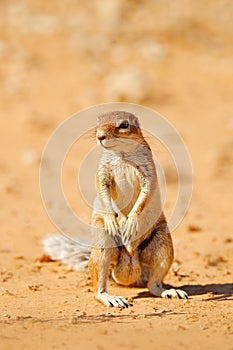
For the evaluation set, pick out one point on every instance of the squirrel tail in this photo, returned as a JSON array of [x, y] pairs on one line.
[[67, 251]]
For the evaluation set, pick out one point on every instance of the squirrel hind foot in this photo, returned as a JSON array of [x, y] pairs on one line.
[[174, 293], [158, 291], [112, 301]]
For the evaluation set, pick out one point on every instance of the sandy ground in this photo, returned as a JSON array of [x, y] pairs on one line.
[[57, 58]]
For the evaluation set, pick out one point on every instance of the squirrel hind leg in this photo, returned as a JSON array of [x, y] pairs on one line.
[[99, 267]]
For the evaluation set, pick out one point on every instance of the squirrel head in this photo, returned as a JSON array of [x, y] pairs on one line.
[[118, 131]]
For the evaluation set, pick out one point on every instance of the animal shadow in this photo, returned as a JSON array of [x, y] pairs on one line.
[[218, 291]]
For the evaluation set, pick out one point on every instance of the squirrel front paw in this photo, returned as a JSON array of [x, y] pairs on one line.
[[111, 224], [130, 230], [121, 219], [111, 227]]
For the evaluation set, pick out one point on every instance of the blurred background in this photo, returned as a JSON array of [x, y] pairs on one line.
[[57, 57]]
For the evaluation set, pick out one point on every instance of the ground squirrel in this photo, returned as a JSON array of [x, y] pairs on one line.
[[131, 233]]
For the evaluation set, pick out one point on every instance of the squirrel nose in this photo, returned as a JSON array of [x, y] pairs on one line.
[[101, 137]]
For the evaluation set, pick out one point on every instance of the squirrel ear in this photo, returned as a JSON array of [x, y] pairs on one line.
[[137, 123]]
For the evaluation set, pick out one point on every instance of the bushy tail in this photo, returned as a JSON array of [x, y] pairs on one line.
[[67, 251]]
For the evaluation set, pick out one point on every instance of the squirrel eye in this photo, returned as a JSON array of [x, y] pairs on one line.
[[124, 124]]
